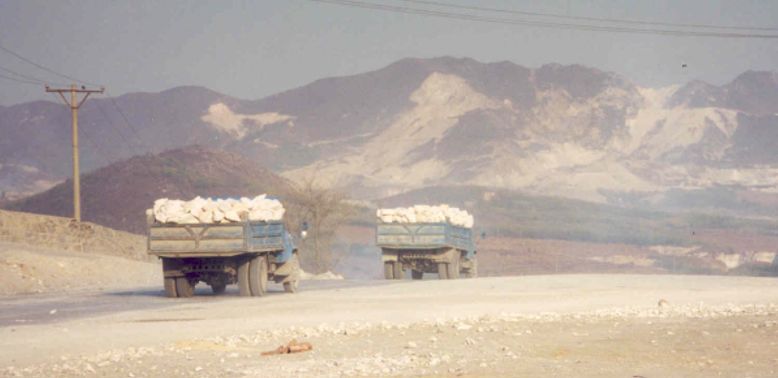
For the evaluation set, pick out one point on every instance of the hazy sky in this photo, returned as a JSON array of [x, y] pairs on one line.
[[250, 49]]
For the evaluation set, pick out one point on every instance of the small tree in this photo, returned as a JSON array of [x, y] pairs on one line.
[[323, 209]]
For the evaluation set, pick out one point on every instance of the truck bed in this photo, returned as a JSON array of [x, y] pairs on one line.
[[217, 239], [424, 236]]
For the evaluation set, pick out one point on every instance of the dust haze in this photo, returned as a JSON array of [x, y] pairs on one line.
[[388, 188]]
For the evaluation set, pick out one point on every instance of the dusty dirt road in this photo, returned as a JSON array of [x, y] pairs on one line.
[[571, 325], [57, 307]]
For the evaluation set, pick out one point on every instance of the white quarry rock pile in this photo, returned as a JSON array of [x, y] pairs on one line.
[[208, 210], [328, 275], [426, 214]]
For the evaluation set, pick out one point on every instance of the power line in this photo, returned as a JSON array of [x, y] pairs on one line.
[[117, 128], [127, 121], [33, 80], [20, 57], [96, 147], [546, 24], [23, 76], [595, 19], [22, 81]]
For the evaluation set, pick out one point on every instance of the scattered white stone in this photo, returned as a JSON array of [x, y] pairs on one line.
[[328, 275]]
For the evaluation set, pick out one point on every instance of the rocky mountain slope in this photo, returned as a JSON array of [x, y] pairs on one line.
[[118, 195], [569, 131]]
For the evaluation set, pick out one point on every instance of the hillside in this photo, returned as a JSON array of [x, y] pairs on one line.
[[695, 242], [509, 213], [532, 234], [118, 195], [560, 130], [111, 130]]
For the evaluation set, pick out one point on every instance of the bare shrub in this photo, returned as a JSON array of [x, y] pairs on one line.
[[322, 208]]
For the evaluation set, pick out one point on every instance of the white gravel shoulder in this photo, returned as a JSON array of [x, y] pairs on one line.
[[611, 324]]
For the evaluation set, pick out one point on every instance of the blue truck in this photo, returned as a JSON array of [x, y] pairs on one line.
[[440, 248], [246, 253]]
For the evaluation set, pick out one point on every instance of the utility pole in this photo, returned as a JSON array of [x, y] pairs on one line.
[[74, 104]]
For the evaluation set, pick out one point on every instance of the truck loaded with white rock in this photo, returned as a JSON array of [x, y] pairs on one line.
[[426, 239], [222, 242]]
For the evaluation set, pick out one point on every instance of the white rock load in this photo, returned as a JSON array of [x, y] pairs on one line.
[[426, 214], [208, 210]]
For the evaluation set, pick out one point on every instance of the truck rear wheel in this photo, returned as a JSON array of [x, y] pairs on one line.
[[443, 271], [170, 287], [184, 288], [453, 269], [417, 274], [473, 271], [258, 276], [399, 274], [243, 278], [388, 271]]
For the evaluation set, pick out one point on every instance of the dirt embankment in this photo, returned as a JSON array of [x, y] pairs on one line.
[[41, 253], [26, 269], [66, 234]]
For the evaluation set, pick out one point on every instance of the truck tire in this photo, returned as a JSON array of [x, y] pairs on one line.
[[243, 277], [218, 288], [473, 271], [184, 288], [453, 269], [388, 271], [258, 276], [291, 286], [417, 274], [170, 287], [443, 271], [397, 267]]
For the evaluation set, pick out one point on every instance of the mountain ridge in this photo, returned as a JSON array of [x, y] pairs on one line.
[[567, 130]]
